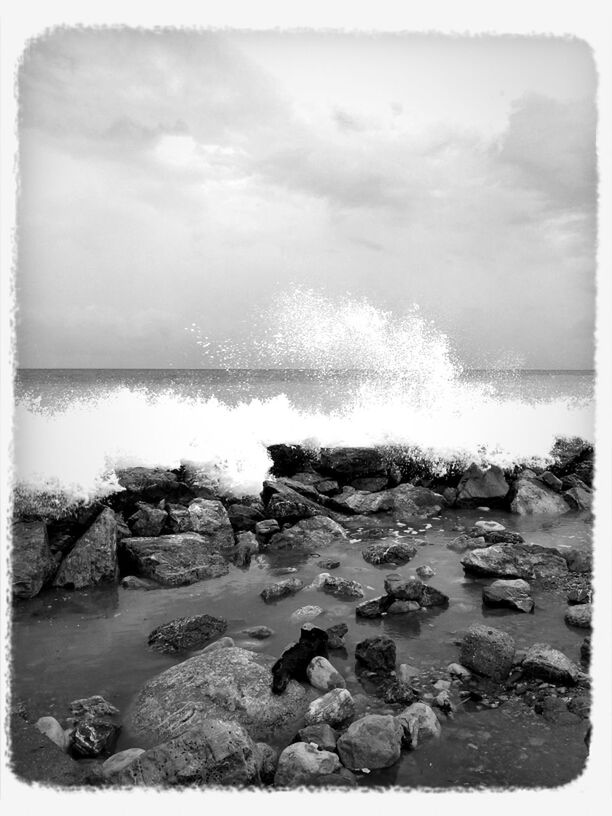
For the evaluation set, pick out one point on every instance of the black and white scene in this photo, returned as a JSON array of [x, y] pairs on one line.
[[303, 453]]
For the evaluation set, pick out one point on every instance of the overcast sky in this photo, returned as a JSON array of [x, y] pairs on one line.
[[191, 177]]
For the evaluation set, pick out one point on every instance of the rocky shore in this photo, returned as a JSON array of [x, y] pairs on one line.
[[225, 715]]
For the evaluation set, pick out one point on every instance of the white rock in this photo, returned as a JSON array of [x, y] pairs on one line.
[[50, 727], [333, 708], [305, 613], [120, 760], [322, 675], [457, 670], [490, 526], [302, 762]]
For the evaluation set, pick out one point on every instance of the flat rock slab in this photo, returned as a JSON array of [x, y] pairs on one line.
[[527, 561], [175, 560], [232, 683], [187, 633]]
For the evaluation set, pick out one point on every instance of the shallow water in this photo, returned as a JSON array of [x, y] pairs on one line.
[[73, 644]]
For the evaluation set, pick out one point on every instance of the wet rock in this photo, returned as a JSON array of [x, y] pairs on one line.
[[92, 707], [290, 459], [147, 520], [403, 589], [266, 759], [477, 485], [294, 660], [341, 779], [527, 561], [580, 705], [266, 528], [579, 616], [311, 534], [401, 607], [208, 518], [585, 650], [376, 654], [246, 547], [323, 676], [348, 464], [493, 537], [289, 509], [579, 596], [335, 635], [282, 589], [302, 762], [457, 670], [222, 643], [305, 613], [213, 752], [383, 553], [418, 722], [329, 487], [50, 727], [577, 560], [234, 684], [466, 542], [258, 632], [430, 596], [374, 608], [425, 571], [323, 736], [117, 762], [450, 496], [555, 710], [93, 559], [32, 564], [545, 663], [488, 527], [93, 737], [371, 484], [406, 673], [487, 651], [175, 560], [340, 587], [133, 582], [579, 498], [192, 632], [372, 742], [244, 517], [409, 502], [529, 496], [148, 484], [333, 708], [513, 594], [550, 480], [306, 477]]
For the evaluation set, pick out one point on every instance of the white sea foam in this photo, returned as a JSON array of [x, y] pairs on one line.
[[412, 396]]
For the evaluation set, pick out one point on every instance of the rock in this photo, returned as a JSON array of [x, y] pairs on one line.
[[430, 596], [282, 589], [265, 529], [465, 542], [545, 663], [425, 571], [323, 676], [579, 616], [266, 758], [550, 480], [585, 650], [580, 705], [377, 654], [493, 537], [457, 670], [246, 547], [401, 607], [406, 673], [555, 710], [208, 518], [405, 502], [175, 560], [290, 459], [418, 722], [513, 594], [306, 477], [32, 564], [50, 727], [302, 762], [234, 684], [372, 742], [579, 596], [487, 651], [294, 660], [529, 496], [413, 589], [395, 552], [340, 587], [222, 643], [488, 527], [311, 534], [305, 613], [148, 484], [329, 487], [117, 762], [477, 485], [335, 636], [192, 632], [329, 563], [579, 498], [341, 779], [92, 707], [213, 752], [323, 736], [374, 608], [244, 517], [347, 464], [93, 559], [578, 561], [258, 632], [370, 484], [93, 737], [289, 510], [133, 582], [449, 495], [333, 708], [527, 561], [147, 520]]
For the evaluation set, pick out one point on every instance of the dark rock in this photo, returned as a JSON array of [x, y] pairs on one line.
[[328, 487], [147, 484], [585, 650], [264, 529], [266, 758], [290, 459], [581, 706], [372, 742], [513, 594], [550, 480], [487, 651], [579, 616], [133, 582], [147, 520], [246, 547], [244, 517], [545, 663], [395, 552], [309, 535], [94, 737], [374, 608], [93, 559], [329, 564], [294, 660], [187, 633], [403, 589], [347, 464], [92, 707], [527, 561], [288, 511], [335, 636], [340, 587], [175, 560], [341, 779], [430, 596], [371, 484], [32, 564], [579, 596], [323, 736], [529, 496], [282, 589], [376, 654], [477, 485], [495, 536], [555, 710]]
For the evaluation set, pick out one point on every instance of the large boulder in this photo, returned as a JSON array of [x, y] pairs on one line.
[[513, 594], [311, 534], [548, 664], [174, 560], [414, 590], [396, 552], [405, 502], [347, 464], [233, 683], [32, 564], [333, 708], [301, 763], [187, 633], [147, 520], [289, 501], [376, 654], [527, 561], [487, 651], [530, 496], [93, 559], [374, 741], [579, 498], [147, 484], [290, 459], [478, 485], [212, 752], [207, 517], [418, 721]]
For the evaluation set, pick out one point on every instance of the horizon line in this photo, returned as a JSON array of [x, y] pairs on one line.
[[275, 368]]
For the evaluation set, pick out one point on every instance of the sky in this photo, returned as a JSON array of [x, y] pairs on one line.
[[185, 178]]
